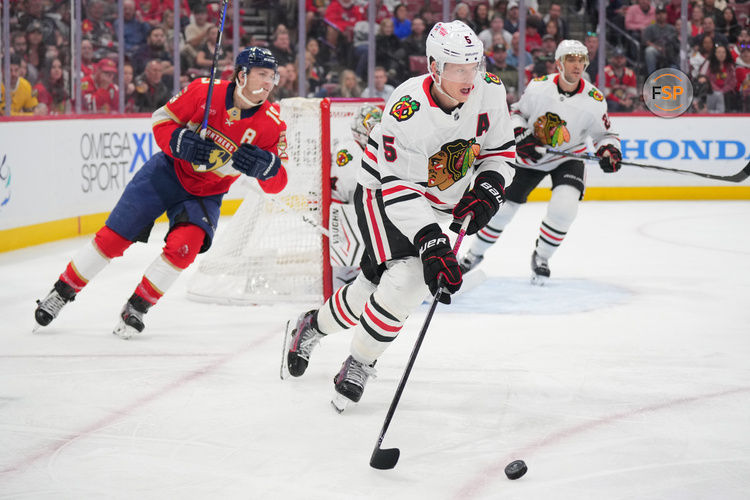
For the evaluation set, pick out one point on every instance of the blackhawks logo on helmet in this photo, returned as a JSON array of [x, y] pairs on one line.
[[550, 129], [492, 78], [404, 108], [451, 163], [343, 157]]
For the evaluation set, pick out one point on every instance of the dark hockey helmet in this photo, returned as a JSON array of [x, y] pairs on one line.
[[257, 57]]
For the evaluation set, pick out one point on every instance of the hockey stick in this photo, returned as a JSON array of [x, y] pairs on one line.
[[217, 50], [385, 459], [738, 177]]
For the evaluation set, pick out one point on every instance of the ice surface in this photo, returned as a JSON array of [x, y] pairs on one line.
[[627, 377]]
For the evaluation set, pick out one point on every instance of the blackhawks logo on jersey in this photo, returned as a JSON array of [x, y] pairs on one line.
[[451, 163], [596, 95], [492, 78], [343, 157], [550, 129], [404, 108], [540, 78]]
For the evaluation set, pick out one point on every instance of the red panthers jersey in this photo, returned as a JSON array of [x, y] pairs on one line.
[[228, 127]]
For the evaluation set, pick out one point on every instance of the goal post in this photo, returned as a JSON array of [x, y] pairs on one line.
[[275, 247]]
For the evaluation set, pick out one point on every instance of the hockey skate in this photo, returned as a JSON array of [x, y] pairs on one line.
[[350, 382], [299, 343], [48, 308], [469, 262], [539, 269], [131, 317]]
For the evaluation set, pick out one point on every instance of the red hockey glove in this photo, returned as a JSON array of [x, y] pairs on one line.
[[526, 144], [255, 162], [609, 158], [439, 262], [482, 202]]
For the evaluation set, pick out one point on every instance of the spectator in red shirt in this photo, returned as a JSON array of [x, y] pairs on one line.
[[87, 58], [721, 74], [344, 14], [99, 91], [695, 23], [674, 9], [52, 89], [620, 83], [743, 78]]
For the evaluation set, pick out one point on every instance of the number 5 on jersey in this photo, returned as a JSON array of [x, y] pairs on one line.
[[389, 150]]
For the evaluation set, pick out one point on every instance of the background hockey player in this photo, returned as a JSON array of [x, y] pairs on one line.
[[559, 111], [348, 153], [188, 180], [347, 157], [439, 153]]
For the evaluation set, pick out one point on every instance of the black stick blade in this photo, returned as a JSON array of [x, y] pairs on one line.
[[384, 459]]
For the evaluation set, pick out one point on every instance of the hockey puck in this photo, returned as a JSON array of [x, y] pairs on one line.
[[516, 469]]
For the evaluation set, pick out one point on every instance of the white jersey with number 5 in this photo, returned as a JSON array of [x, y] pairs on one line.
[[562, 121], [424, 159]]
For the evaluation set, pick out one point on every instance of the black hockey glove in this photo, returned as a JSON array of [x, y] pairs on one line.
[[438, 261], [526, 144], [188, 146], [611, 162], [256, 162], [482, 202]]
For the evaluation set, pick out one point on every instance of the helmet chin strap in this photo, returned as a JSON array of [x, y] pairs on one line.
[[240, 88], [438, 80]]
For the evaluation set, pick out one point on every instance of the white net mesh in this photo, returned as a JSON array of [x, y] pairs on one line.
[[271, 251]]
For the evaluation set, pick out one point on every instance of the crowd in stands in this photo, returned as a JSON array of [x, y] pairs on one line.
[[336, 49]]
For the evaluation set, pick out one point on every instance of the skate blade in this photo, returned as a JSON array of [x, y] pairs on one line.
[[340, 403], [538, 280], [284, 368]]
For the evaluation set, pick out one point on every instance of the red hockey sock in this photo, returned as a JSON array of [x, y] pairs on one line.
[[94, 257]]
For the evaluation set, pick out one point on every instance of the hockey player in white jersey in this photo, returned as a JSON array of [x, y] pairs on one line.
[[558, 111], [440, 153], [348, 153]]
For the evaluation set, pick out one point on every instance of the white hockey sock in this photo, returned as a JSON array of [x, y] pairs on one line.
[[157, 279], [343, 309], [488, 235], [85, 265], [400, 291], [561, 212]]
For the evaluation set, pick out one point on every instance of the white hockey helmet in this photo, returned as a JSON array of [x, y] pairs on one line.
[[572, 48], [366, 117], [454, 42]]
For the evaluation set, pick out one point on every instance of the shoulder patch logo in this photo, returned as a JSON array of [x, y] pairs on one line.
[[550, 129], [451, 163], [492, 78], [343, 157], [541, 78], [596, 95], [404, 108]]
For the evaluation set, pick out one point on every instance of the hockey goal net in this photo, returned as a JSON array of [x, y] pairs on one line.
[[274, 248]]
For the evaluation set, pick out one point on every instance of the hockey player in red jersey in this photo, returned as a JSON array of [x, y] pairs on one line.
[[188, 180], [440, 153]]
